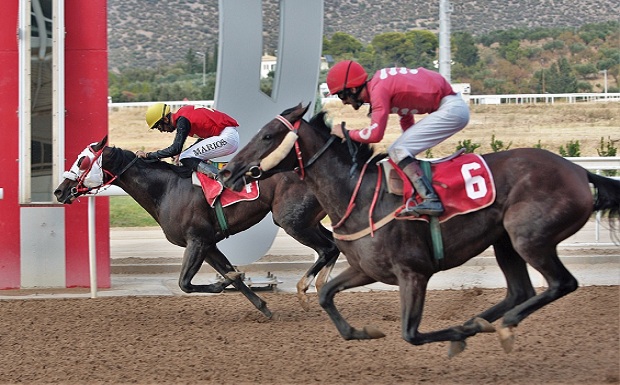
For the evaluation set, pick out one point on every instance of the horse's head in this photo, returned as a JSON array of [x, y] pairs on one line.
[[290, 143], [85, 174], [271, 146]]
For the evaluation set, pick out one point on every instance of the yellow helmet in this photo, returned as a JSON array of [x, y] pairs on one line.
[[155, 113]]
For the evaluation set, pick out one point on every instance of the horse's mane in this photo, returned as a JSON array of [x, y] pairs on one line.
[[121, 157], [363, 151]]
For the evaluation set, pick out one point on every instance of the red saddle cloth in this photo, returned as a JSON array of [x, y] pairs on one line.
[[213, 189], [464, 184]]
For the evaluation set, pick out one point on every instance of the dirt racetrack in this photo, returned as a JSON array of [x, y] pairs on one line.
[[222, 339]]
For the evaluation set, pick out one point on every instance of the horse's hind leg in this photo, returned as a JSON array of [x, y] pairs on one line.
[[519, 285], [193, 258], [220, 263], [560, 281], [412, 288], [346, 280]]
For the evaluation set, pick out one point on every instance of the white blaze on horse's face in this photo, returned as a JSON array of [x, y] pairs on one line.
[[276, 156], [86, 162]]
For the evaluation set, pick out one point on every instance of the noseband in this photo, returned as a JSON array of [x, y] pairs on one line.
[[81, 189], [276, 156]]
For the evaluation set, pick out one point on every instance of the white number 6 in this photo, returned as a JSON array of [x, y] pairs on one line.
[[475, 185]]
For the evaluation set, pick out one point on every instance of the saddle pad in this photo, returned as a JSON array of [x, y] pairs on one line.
[[213, 188], [464, 184]]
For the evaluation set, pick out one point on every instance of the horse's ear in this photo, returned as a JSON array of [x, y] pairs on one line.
[[299, 112], [102, 144]]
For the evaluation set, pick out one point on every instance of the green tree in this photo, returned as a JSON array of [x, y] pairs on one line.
[[425, 44], [340, 44], [560, 78], [465, 50], [586, 70], [393, 49], [192, 62], [511, 51]]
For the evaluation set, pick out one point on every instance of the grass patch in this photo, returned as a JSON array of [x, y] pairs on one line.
[[126, 212]]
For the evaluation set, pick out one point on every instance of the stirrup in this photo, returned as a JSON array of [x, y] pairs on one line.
[[208, 169], [408, 210], [432, 208]]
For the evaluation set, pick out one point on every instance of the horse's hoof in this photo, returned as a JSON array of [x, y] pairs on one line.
[[276, 316], [303, 301], [506, 338], [484, 325], [456, 347], [233, 275], [373, 332], [268, 313]]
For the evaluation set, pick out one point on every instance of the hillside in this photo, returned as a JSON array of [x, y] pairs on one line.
[[145, 33]]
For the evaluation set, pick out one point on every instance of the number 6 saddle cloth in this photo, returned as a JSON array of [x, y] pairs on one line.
[[463, 183]]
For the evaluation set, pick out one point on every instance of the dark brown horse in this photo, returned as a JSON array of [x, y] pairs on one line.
[[541, 199], [166, 192]]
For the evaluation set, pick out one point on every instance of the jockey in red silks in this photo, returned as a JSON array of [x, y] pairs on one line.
[[404, 92], [215, 131]]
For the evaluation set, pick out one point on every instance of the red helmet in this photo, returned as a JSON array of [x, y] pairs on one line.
[[345, 74]]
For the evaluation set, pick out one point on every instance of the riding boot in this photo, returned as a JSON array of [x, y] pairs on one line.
[[208, 169], [431, 205]]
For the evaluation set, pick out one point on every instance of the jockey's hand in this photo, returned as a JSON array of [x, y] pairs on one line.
[[337, 131], [175, 160], [141, 154]]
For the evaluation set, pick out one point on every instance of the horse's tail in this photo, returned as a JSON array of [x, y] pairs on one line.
[[607, 199]]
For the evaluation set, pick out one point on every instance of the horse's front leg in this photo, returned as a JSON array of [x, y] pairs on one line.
[[412, 288], [220, 263], [345, 280], [193, 257], [321, 241], [320, 269]]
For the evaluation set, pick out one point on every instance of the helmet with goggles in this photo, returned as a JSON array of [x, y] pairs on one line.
[[155, 113], [345, 74]]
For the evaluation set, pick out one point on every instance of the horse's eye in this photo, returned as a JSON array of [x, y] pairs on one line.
[[268, 137]]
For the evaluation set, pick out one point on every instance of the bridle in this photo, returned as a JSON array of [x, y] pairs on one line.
[[86, 167], [290, 141]]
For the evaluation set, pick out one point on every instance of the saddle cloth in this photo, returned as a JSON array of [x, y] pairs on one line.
[[464, 184], [213, 189]]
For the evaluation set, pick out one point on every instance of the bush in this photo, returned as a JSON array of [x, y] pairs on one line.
[[498, 145], [608, 149], [572, 149], [467, 145]]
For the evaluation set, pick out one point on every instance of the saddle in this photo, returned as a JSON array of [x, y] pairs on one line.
[[463, 182], [216, 193]]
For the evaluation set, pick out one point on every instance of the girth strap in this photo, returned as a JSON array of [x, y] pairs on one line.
[[434, 221], [221, 217]]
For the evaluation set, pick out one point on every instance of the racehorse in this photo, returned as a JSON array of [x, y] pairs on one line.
[[166, 192], [541, 199]]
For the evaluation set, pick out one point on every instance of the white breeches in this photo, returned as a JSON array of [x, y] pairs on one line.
[[451, 117], [224, 144]]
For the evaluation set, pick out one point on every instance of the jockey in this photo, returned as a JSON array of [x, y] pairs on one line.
[[214, 129], [405, 92]]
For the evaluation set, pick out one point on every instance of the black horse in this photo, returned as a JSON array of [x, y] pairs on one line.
[[541, 199], [166, 192]]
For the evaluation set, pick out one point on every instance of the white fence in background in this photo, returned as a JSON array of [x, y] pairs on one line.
[[474, 99], [593, 164], [544, 98]]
